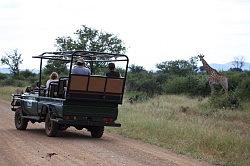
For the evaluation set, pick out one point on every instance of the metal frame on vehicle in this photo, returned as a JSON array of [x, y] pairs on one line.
[[90, 57]]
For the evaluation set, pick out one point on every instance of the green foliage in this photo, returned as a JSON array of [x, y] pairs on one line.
[[90, 39], [244, 88], [14, 82], [3, 76], [176, 85], [136, 69], [24, 78], [178, 67], [13, 60], [234, 79], [144, 82], [27, 74], [55, 66], [87, 39], [195, 85], [221, 100]]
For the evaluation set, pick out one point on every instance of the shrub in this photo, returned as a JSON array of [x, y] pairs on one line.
[[244, 89], [234, 79], [222, 101], [176, 85], [14, 82], [195, 85], [3, 76], [144, 82]]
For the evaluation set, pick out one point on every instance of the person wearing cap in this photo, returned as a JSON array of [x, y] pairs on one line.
[[112, 72], [80, 68]]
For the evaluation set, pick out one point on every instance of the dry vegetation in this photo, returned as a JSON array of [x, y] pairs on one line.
[[189, 126]]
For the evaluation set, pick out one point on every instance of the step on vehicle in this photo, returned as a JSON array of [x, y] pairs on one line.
[[82, 101]]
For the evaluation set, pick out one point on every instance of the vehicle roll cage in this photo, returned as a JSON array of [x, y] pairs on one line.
[[89, 56]]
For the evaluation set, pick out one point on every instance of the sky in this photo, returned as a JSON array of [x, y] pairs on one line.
[[152, 30]]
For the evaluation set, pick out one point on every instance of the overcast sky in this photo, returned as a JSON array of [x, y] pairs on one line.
[[153, 30]]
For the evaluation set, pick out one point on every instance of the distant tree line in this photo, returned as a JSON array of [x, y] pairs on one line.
[[171, 77]]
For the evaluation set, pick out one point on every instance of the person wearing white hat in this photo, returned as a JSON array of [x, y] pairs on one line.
[[80, 68]]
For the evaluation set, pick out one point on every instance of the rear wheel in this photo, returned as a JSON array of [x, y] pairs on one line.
[[63, 127], [97, 131], [20, 123], [51, 128]]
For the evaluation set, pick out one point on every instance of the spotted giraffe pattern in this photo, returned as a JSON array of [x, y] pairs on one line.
[[214, 76]]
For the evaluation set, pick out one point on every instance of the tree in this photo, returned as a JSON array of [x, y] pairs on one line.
[[178, 67], [194, 61], [238, 63], [55, 65], [13, 60], [88, 39], [136, 69]]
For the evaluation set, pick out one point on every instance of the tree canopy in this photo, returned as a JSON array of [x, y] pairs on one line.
[[13, 60], [88, 39], [177, 67]]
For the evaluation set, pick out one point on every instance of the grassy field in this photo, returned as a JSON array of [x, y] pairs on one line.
[[189, 126], [6, 91], [186, 126]]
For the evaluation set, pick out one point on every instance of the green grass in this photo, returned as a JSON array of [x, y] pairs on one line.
[[6, 91], [188, 126]]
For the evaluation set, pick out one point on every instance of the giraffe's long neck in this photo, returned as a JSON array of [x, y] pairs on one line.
[[207, 67]]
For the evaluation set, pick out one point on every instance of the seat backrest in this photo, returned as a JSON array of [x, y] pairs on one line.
[[95, 88], [96, 84], [53, 89], [114, 85], [61, 86], [78, 82]]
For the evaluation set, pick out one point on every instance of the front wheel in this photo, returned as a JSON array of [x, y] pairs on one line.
[[97, 131], [20, 123], [51, 128]]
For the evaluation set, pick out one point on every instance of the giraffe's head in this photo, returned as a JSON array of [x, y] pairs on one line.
[[201, 56]]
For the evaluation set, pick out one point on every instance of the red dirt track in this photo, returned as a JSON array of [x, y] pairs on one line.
[[73, 147]]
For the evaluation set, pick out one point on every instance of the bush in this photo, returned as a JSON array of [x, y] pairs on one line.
[[176, 85], [13, 82], [144, 82], [3, 76], [221, 100], [244, 89], [195, 85], [234, 79]]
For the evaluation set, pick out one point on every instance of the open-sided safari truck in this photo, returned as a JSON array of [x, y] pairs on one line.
[[82, 101]]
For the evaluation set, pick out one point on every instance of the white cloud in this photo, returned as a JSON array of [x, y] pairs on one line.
[[153, 30]]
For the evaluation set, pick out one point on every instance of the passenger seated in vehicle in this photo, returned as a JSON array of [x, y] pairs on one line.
[[53, 78], [80, 68], [112, 72]]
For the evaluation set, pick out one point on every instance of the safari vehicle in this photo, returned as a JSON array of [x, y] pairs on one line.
[[81, 101]]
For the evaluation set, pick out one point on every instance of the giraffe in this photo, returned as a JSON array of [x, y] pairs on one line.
[[214, 76]]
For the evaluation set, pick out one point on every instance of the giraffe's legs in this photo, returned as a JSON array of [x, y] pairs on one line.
[[224, 84], [211, 87]]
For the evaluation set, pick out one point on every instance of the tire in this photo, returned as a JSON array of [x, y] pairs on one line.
[[51, 128], [78, 127], [63, 128], [20, 123], [97, 131]]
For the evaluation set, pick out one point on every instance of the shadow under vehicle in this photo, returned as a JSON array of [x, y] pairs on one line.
[[82, 101]]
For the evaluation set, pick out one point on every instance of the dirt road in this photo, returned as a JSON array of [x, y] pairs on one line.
[[73, 147]]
